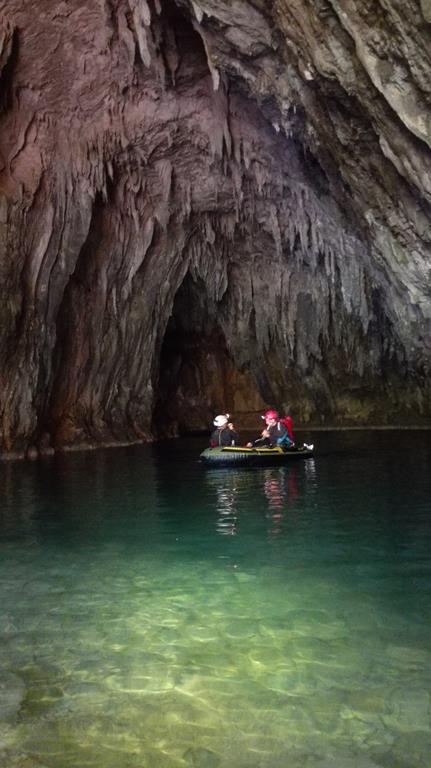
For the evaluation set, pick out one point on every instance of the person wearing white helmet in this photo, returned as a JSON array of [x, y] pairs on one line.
[[224, 433]]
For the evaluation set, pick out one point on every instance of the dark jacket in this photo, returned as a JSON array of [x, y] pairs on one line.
[[224, 437], [278, 435]]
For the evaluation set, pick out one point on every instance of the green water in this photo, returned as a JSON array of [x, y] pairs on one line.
[[158, 614]]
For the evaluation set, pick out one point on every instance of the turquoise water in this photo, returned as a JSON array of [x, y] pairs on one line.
[[155, 613]]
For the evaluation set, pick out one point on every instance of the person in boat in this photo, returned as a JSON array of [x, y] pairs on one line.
[[224, 433], [275, 432]]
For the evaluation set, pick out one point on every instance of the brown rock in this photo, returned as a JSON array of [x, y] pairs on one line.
[[212, 205]]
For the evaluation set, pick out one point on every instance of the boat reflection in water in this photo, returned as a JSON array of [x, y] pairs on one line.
[[272, 489]]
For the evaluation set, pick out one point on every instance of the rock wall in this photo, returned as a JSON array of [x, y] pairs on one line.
[[269, 160]]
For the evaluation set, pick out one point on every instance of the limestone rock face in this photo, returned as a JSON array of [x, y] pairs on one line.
[[211, 205]]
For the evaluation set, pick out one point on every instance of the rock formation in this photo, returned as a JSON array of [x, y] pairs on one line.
[[211, 204]]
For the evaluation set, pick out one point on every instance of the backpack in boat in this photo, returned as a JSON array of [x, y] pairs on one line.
[[285, 441], [287, 421]]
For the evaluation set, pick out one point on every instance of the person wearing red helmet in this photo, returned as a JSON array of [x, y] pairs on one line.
[[275, 432]]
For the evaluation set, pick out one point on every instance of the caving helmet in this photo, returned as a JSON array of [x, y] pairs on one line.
[[222, 420], [269, 415]]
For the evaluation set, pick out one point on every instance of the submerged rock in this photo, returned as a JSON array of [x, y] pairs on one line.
[[199, 757], [211, 204], [342, 761], [12, 692]]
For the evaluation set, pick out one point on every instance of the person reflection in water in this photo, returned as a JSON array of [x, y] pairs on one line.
[[226, 508], [224, 433], [279, 488], [227, 485]]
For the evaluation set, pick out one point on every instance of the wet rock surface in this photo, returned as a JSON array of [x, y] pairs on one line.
[[196, 192]]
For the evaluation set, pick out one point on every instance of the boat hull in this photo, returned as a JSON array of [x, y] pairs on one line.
[[237, 456]]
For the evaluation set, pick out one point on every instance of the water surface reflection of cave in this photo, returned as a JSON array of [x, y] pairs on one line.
[[197, 376]]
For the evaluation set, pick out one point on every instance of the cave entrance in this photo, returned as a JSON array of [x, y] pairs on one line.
[[197, 376]]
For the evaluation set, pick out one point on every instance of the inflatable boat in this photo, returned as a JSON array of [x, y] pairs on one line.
[[240, 456]]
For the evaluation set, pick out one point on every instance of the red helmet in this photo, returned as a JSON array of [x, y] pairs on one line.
[[268, 415]]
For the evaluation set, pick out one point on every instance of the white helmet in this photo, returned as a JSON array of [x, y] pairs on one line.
[[221, 421]]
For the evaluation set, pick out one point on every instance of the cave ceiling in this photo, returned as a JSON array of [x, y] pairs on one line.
[[236, 194]]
